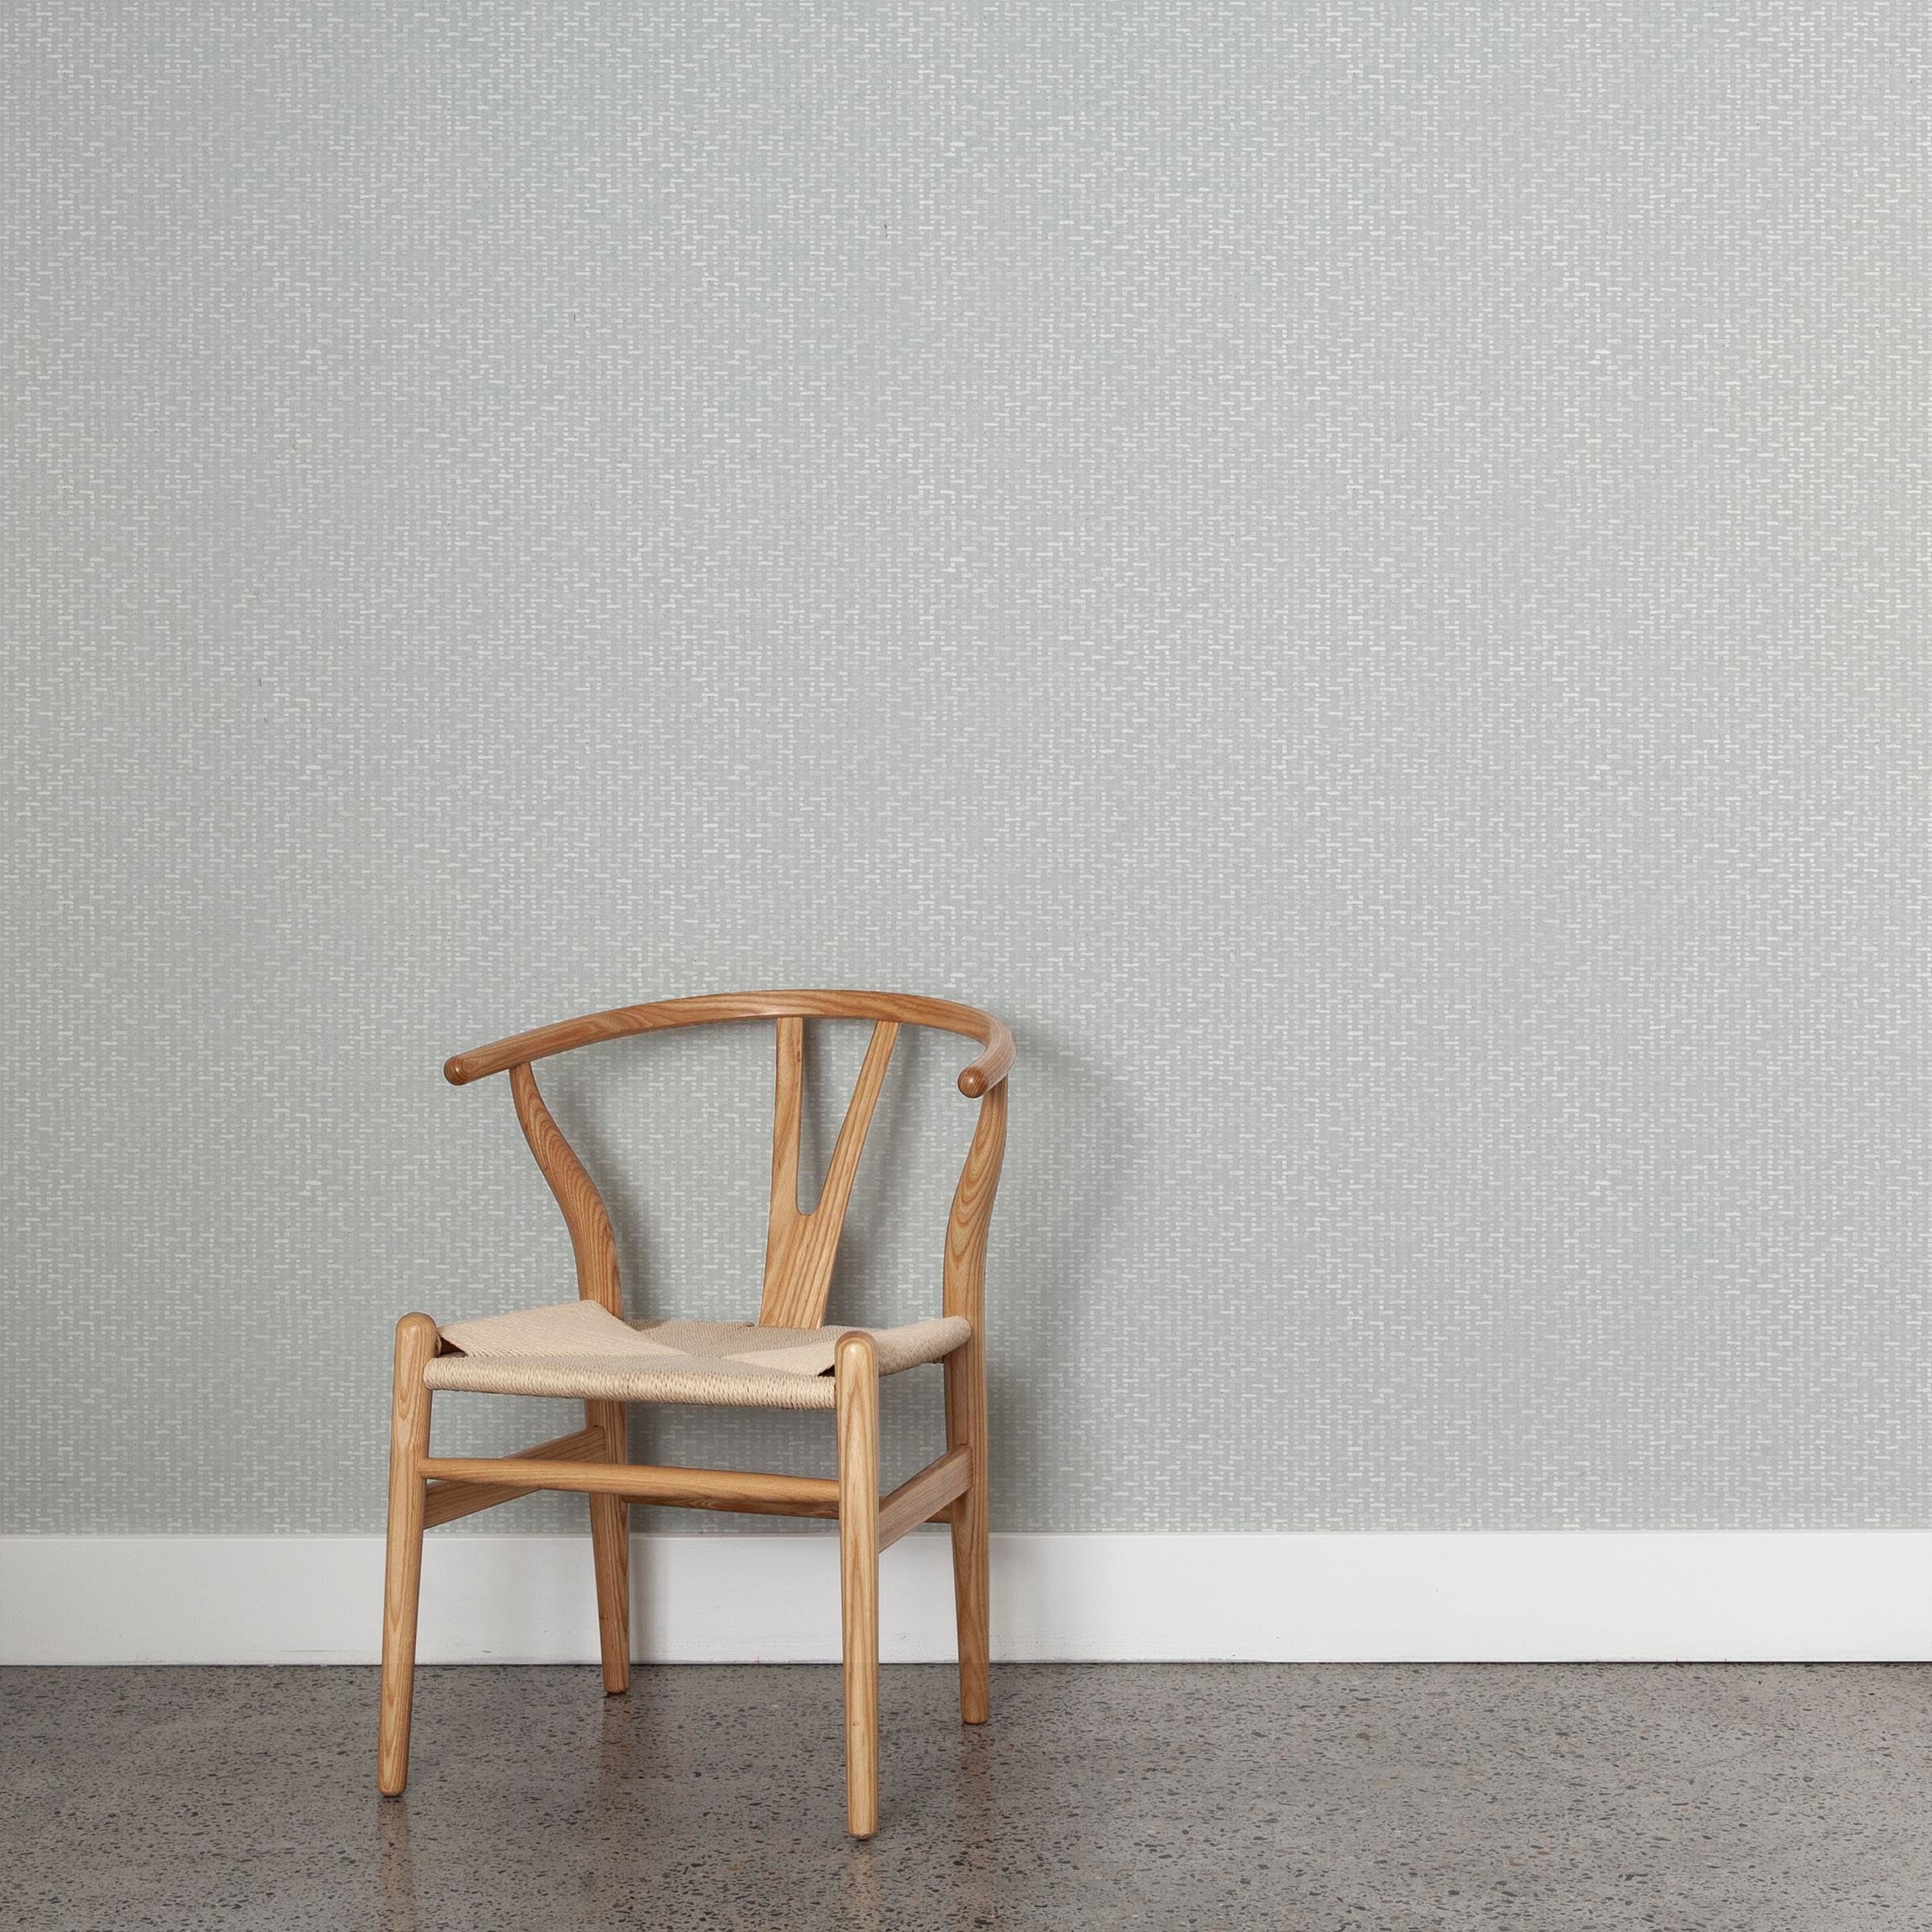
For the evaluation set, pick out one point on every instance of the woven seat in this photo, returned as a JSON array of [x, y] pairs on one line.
[[579, 1350]]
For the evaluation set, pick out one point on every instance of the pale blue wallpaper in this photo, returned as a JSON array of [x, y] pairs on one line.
[[1358, 572]]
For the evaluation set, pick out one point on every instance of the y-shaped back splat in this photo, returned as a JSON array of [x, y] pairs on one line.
[[800, 1248]]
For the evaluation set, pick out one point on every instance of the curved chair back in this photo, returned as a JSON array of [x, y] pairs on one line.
[[800, 1247]]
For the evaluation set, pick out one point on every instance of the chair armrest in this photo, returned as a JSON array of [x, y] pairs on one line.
[[991, 1067]]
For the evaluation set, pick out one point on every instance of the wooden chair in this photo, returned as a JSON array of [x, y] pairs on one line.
[[788, 1359]]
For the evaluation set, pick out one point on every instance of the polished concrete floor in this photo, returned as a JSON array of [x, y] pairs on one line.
[[1560, 1799]]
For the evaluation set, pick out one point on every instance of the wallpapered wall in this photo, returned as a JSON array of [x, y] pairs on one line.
[[1359, 572]]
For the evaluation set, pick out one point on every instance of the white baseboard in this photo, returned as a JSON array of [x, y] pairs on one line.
[[1427, 1598]]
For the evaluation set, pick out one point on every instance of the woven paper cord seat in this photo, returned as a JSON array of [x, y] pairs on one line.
[[578, 1350]]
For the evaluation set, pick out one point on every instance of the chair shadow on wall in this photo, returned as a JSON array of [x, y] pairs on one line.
[[1082, 1163]]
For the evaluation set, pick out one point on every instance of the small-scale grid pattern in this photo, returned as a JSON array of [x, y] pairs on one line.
[[1356, 572]]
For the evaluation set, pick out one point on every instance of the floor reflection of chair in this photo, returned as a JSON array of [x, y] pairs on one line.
[[395, 1871]]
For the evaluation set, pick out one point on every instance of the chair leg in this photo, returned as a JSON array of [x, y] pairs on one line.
[[966, 1428], [610, 1548], [856, 1371], [416, 1344]]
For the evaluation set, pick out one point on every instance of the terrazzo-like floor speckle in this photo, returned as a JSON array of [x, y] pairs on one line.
[[1327, 1799]]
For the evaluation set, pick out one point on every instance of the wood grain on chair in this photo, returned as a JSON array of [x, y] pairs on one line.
[[801, 1248]]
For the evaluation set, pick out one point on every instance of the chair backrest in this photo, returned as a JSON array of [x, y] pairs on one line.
[[800, 1247]]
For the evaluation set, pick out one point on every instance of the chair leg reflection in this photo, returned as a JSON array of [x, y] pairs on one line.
[[395, 1871]]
